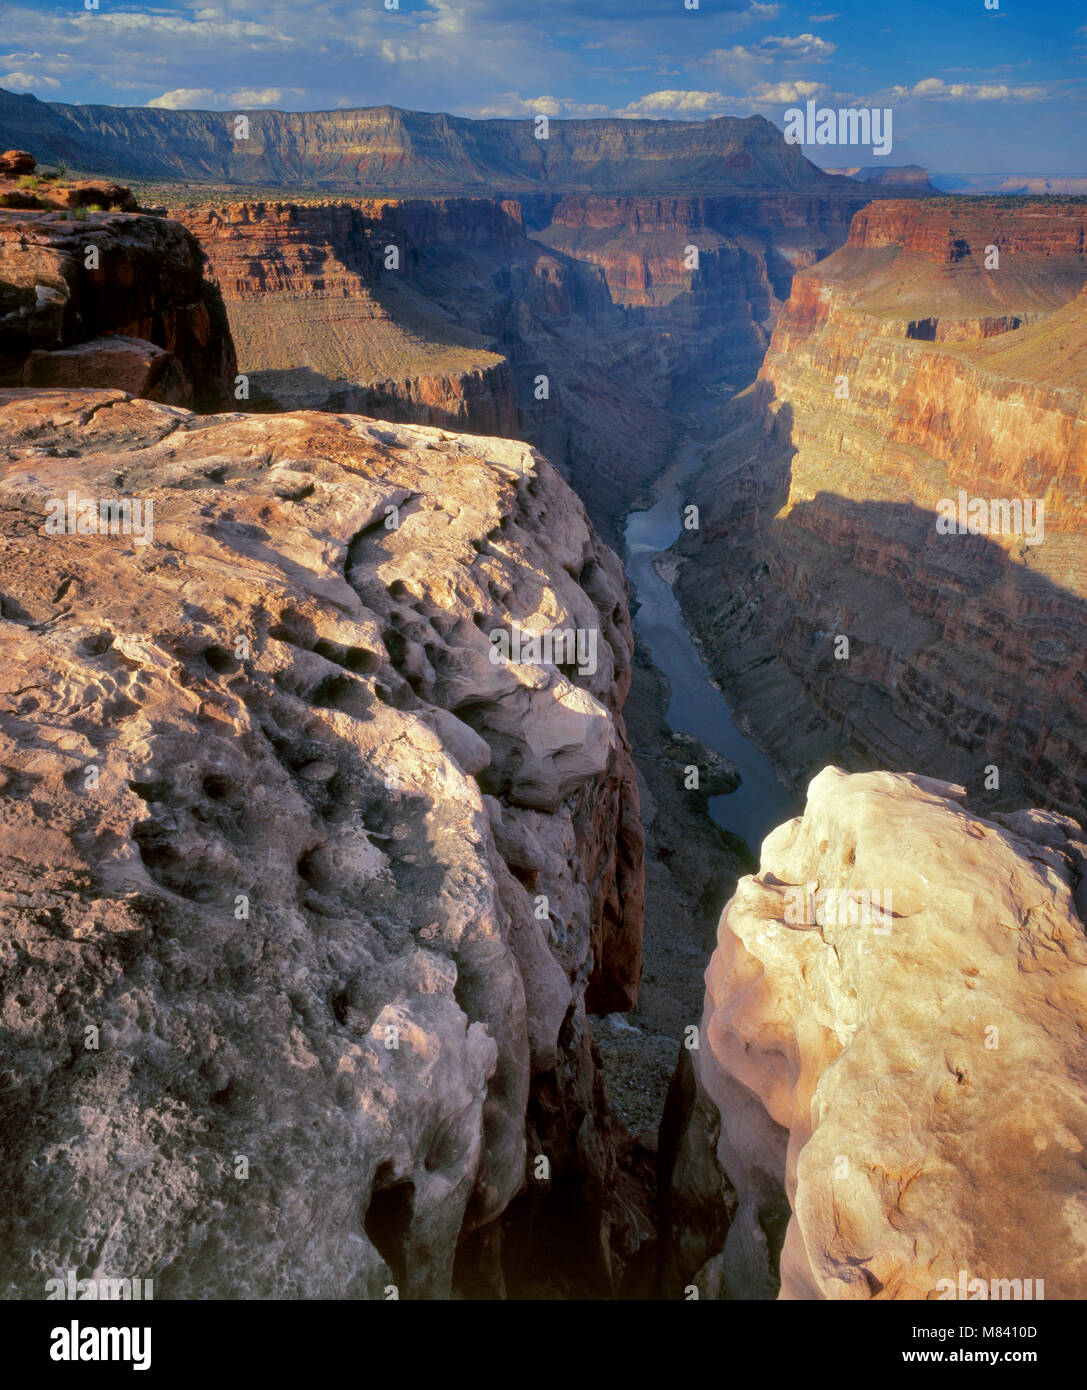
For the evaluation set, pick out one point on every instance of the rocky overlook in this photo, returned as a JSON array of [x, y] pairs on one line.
[[331, 888], [110, 298], [879, 1086], [902, 372]]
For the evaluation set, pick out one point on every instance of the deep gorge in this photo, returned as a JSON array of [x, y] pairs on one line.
[[350, 899]]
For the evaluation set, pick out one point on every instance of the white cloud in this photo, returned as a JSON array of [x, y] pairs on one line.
[[822, 18], [204, 98], [264, 96], [25, 81], [787, 93], [510, 105], [183, 97], [967, 91], [676, 103], [809, 46]]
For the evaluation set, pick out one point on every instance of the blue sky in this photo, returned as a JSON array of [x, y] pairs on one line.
[[971, 89]]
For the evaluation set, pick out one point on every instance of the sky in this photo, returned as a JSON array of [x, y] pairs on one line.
[[971, 88]]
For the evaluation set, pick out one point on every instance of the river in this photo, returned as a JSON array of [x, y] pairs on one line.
[[696, 706]]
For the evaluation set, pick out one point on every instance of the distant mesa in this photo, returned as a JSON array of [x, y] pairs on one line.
[[385, 149], [913, 175]]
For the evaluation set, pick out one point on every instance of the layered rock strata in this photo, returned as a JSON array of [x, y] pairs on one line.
[[68, 283], [384, 149], [889, 1099], [305, 897], [937, 362]]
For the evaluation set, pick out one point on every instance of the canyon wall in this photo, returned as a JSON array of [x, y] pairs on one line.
[[306, 897], [582, 334], [318, 320], [384, 149], [702, 275], [111, 298], [891, 1102], [941, 351]]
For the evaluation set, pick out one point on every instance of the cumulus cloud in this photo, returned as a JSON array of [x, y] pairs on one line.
[[787, 93], [26, 81], [808, 46], [202, 98], [183, 97], [511, 105], [967, 91], [677, 103]]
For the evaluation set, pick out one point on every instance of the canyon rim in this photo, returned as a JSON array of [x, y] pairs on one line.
[[543, 735]]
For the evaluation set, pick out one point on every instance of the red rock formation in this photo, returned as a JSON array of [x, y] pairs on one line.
[[16, 162], [966, 651], [66, 281], [285, 269]]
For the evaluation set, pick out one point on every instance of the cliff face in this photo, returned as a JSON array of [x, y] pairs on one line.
[[713, 312], [385, 149], [74, 293], [881, 1084], [439, 312], [305, 896], [308, 296], [903, 371]]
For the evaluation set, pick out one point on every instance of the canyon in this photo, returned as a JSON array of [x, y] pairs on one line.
[[905, 370], [342, 955], [583, 335]]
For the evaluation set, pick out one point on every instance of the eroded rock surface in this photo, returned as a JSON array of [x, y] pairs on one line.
[[900, 1097], [66, 281], [329, 887]]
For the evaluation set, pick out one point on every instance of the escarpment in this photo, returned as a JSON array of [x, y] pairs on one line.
[[384, 149], [580, 329], [891, 570], [889, 1095], [101, 299], [305, 894]]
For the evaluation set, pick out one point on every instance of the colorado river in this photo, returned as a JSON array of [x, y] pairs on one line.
[[696, 706]]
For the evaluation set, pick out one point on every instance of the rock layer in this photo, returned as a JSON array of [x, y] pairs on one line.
[[385, 149], [909, 368], [904, 1096], [304, 896], [65, 282]]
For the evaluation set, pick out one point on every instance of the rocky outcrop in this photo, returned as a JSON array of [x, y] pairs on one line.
[[305, 895], [900, 1095], [22, 187], [70, 282], [938, 356]]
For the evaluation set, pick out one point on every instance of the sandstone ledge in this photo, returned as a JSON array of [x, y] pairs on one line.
[[918, 1095], [265, 797]]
